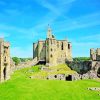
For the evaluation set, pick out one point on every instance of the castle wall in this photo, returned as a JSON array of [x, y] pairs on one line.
[[95, 54], [98, 54], [41, 50], [53, 51], [64, 53], [4, 61]]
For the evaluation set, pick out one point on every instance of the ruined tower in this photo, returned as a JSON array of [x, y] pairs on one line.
[[95, 54], [52, 51], [4, 60], [51, 48]]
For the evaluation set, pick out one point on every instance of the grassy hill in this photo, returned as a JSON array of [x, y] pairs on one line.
[[20, 87], [59, 69]]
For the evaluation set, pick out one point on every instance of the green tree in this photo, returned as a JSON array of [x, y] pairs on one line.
[[16, 60]]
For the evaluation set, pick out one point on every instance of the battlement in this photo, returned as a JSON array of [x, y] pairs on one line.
[[95, 54]]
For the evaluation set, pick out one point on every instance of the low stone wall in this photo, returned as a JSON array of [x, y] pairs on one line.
[[26, 64]]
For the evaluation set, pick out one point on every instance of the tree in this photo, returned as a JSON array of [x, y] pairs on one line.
[[16, 60]]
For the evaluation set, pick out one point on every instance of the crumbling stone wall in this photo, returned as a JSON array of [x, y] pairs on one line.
[[81, 67], [25, 64], [95, 54], [4, 60]]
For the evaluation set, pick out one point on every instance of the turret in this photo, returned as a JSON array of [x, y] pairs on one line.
[[49, 33]]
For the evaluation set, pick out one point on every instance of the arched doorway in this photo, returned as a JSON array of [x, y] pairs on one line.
[[4, 73], [98, 72]]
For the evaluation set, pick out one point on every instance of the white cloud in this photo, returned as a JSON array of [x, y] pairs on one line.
[[55, 10]]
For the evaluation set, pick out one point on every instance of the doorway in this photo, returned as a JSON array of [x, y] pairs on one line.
[[4, 73], [68, 78]]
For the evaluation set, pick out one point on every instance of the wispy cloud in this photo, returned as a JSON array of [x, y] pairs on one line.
[[55, 10], [22, 31], [84, 21]]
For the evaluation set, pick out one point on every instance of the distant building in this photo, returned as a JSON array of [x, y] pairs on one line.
[[52, 51], [95, 54], [4, 60]]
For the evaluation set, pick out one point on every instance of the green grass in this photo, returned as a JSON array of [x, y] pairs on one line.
[[20, 87], [59, 69]]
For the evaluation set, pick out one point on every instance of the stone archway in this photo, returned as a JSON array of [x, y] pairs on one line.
[[98, 72], [4, 73]]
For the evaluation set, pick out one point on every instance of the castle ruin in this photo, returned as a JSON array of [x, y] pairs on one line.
[[52, 51], [95, 54], [4, 60]]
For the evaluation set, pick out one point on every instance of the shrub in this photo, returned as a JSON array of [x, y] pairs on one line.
[[16, 60]]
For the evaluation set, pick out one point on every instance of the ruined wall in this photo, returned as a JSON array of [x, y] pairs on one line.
[[64, 51], [95, 54], [35, 50], [41, 50], [86, 69], [4, 60], [81, 67]]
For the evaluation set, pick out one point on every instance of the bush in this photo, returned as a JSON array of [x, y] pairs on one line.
[[16, 60]]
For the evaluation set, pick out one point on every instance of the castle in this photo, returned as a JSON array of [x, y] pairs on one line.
[[4, 60], [52, 51], [95, 54]]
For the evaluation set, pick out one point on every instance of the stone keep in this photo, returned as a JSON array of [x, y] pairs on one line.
[[52, 51], [95, 54], [4, 60]]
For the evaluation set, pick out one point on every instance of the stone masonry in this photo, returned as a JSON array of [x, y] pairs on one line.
[[4, 60], [95, 54], [52, 51]]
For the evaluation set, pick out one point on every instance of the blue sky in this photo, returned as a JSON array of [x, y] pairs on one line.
[[23, 22]]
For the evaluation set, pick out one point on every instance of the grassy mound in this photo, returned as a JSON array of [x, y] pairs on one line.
[[20, 87], [59, 69]]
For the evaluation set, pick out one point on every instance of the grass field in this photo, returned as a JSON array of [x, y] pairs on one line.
[[20, 87]]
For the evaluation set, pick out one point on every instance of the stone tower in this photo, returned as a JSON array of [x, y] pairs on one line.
[[4, 60], [52, 51], [95, 54]]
